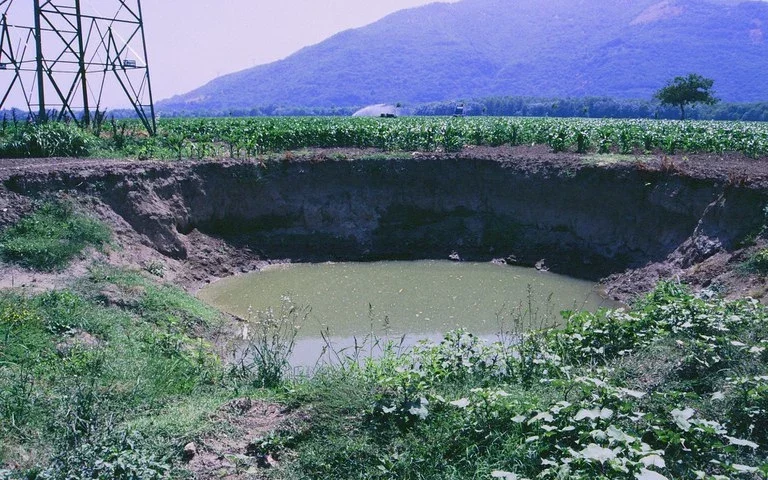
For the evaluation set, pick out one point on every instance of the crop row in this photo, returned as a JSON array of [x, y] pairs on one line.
[[259, 135]]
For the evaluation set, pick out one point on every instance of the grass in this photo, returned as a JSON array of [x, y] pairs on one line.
[[161, 303], [51, 237], [83, 382]]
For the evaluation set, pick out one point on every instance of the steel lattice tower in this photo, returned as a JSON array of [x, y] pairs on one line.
[[74, 53]]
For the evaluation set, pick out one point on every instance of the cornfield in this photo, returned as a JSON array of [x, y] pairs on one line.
[[252, 136]]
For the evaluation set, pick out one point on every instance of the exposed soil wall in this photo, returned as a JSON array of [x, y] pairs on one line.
[[583, 218]]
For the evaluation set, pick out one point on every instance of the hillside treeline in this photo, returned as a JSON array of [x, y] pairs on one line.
[[588, 107], [594, 107], [502, 106]]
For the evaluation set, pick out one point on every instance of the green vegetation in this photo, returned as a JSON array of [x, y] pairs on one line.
[[516, 106], [252, 137], [77, 373], [249, 137], [688, 90], [51, 237], [593, 107], [269, 339], [757, 262], [677, 387], [110, 378], [53, 139]]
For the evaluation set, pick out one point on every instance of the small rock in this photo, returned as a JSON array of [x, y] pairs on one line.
[[77, 338], [240, 405], [190, 450], [114, 296], [267, 461]]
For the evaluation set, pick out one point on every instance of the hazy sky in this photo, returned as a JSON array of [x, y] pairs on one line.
[[193, 41]]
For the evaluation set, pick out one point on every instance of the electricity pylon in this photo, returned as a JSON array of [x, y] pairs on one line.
[[74, 54]]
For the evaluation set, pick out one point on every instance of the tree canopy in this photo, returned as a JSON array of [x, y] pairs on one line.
[[688, 90]]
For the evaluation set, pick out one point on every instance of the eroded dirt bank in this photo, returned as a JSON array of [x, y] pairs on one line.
[[628, 221]]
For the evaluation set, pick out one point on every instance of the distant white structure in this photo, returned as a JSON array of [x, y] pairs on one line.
[[380, 110]]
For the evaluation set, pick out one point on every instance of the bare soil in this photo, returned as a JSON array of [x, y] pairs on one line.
[[234, 454], [212, 257]]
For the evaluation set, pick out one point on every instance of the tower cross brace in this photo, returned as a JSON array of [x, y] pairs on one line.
[[74, 54]]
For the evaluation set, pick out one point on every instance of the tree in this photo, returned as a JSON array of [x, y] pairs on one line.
[[688, 90]]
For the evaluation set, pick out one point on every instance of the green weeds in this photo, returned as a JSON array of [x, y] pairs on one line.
[[269, 338], [84, 386], [162, 304], [51, 237], [757, 263], [110, 378], [674, 388]]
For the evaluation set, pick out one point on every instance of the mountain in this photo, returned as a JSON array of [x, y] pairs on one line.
[[547, 48]]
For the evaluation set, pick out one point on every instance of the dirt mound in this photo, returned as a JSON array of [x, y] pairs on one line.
[[243, 449]]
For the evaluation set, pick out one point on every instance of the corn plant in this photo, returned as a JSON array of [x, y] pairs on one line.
[[234, 137]]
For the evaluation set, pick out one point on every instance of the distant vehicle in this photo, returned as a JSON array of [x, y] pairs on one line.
[[127, 63], [388, 115], [3, 66], [459, 112]]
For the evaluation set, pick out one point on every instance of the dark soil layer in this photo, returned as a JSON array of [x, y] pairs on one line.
[[628, 220]]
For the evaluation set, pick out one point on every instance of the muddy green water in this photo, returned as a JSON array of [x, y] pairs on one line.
[[420, 298]]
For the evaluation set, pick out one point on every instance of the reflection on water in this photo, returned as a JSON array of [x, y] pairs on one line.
[[419, 299]]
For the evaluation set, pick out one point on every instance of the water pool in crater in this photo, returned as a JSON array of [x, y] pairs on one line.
[[417, 298]]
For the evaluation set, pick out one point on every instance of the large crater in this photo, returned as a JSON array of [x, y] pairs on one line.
[[581, 217]]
